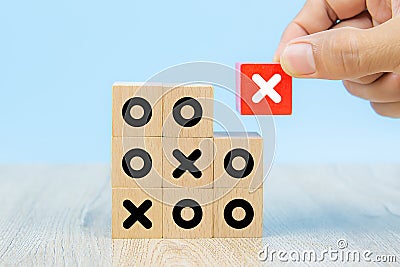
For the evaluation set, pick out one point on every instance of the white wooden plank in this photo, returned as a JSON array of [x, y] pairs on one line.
[[60, 215]]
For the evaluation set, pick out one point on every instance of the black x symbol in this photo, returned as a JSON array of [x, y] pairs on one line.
[[187, 163], [137, 214]]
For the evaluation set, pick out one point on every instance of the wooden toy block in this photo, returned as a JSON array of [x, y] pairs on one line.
[[136, 213], [238, 160], [137, 109], [136, 162], [188, 111], [238, 213], [188, 162], [263, 89], [188, 213]]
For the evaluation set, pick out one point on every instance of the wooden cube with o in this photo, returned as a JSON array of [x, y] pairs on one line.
[[136, 213], [137, 109], [136, 162], [188, 213], [238, 160], [238, 212], [188, 110]]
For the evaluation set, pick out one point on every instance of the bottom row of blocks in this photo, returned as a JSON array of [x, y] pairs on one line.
[[180, 213]]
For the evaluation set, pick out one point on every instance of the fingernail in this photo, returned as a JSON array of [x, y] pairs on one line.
[[298, 59]]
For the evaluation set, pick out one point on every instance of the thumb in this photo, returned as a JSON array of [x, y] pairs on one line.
[[345, 53]]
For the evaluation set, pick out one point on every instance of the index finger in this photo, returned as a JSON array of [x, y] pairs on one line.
[[395, 8], [318, 15]]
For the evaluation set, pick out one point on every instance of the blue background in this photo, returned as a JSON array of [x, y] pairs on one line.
[[58, 60]]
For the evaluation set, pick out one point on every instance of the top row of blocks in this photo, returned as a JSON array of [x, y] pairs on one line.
[[155, 109]]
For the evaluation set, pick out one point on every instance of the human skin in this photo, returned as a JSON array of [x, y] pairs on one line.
[[357, 41]]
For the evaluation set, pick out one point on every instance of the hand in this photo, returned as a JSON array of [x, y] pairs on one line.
[[363, 49]]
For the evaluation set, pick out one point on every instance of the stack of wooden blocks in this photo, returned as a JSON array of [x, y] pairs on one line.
[[172, 176]]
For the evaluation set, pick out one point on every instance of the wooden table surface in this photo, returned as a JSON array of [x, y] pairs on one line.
[[61, 215]]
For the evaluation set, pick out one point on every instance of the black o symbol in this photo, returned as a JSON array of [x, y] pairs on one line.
[[147, 163], [238, 203], [228, 163], [147, 112], [187, 203], [187, 101]]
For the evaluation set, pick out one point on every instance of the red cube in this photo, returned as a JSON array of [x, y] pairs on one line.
[[263, 89]]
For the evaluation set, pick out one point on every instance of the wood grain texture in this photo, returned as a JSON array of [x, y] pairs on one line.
[[55, 215], [137, 197], [204, 95], [121, 93], [203, 197], [120, 147], [187, 252], [61, 215], [227, 142], [221, 226], [187, 146]]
